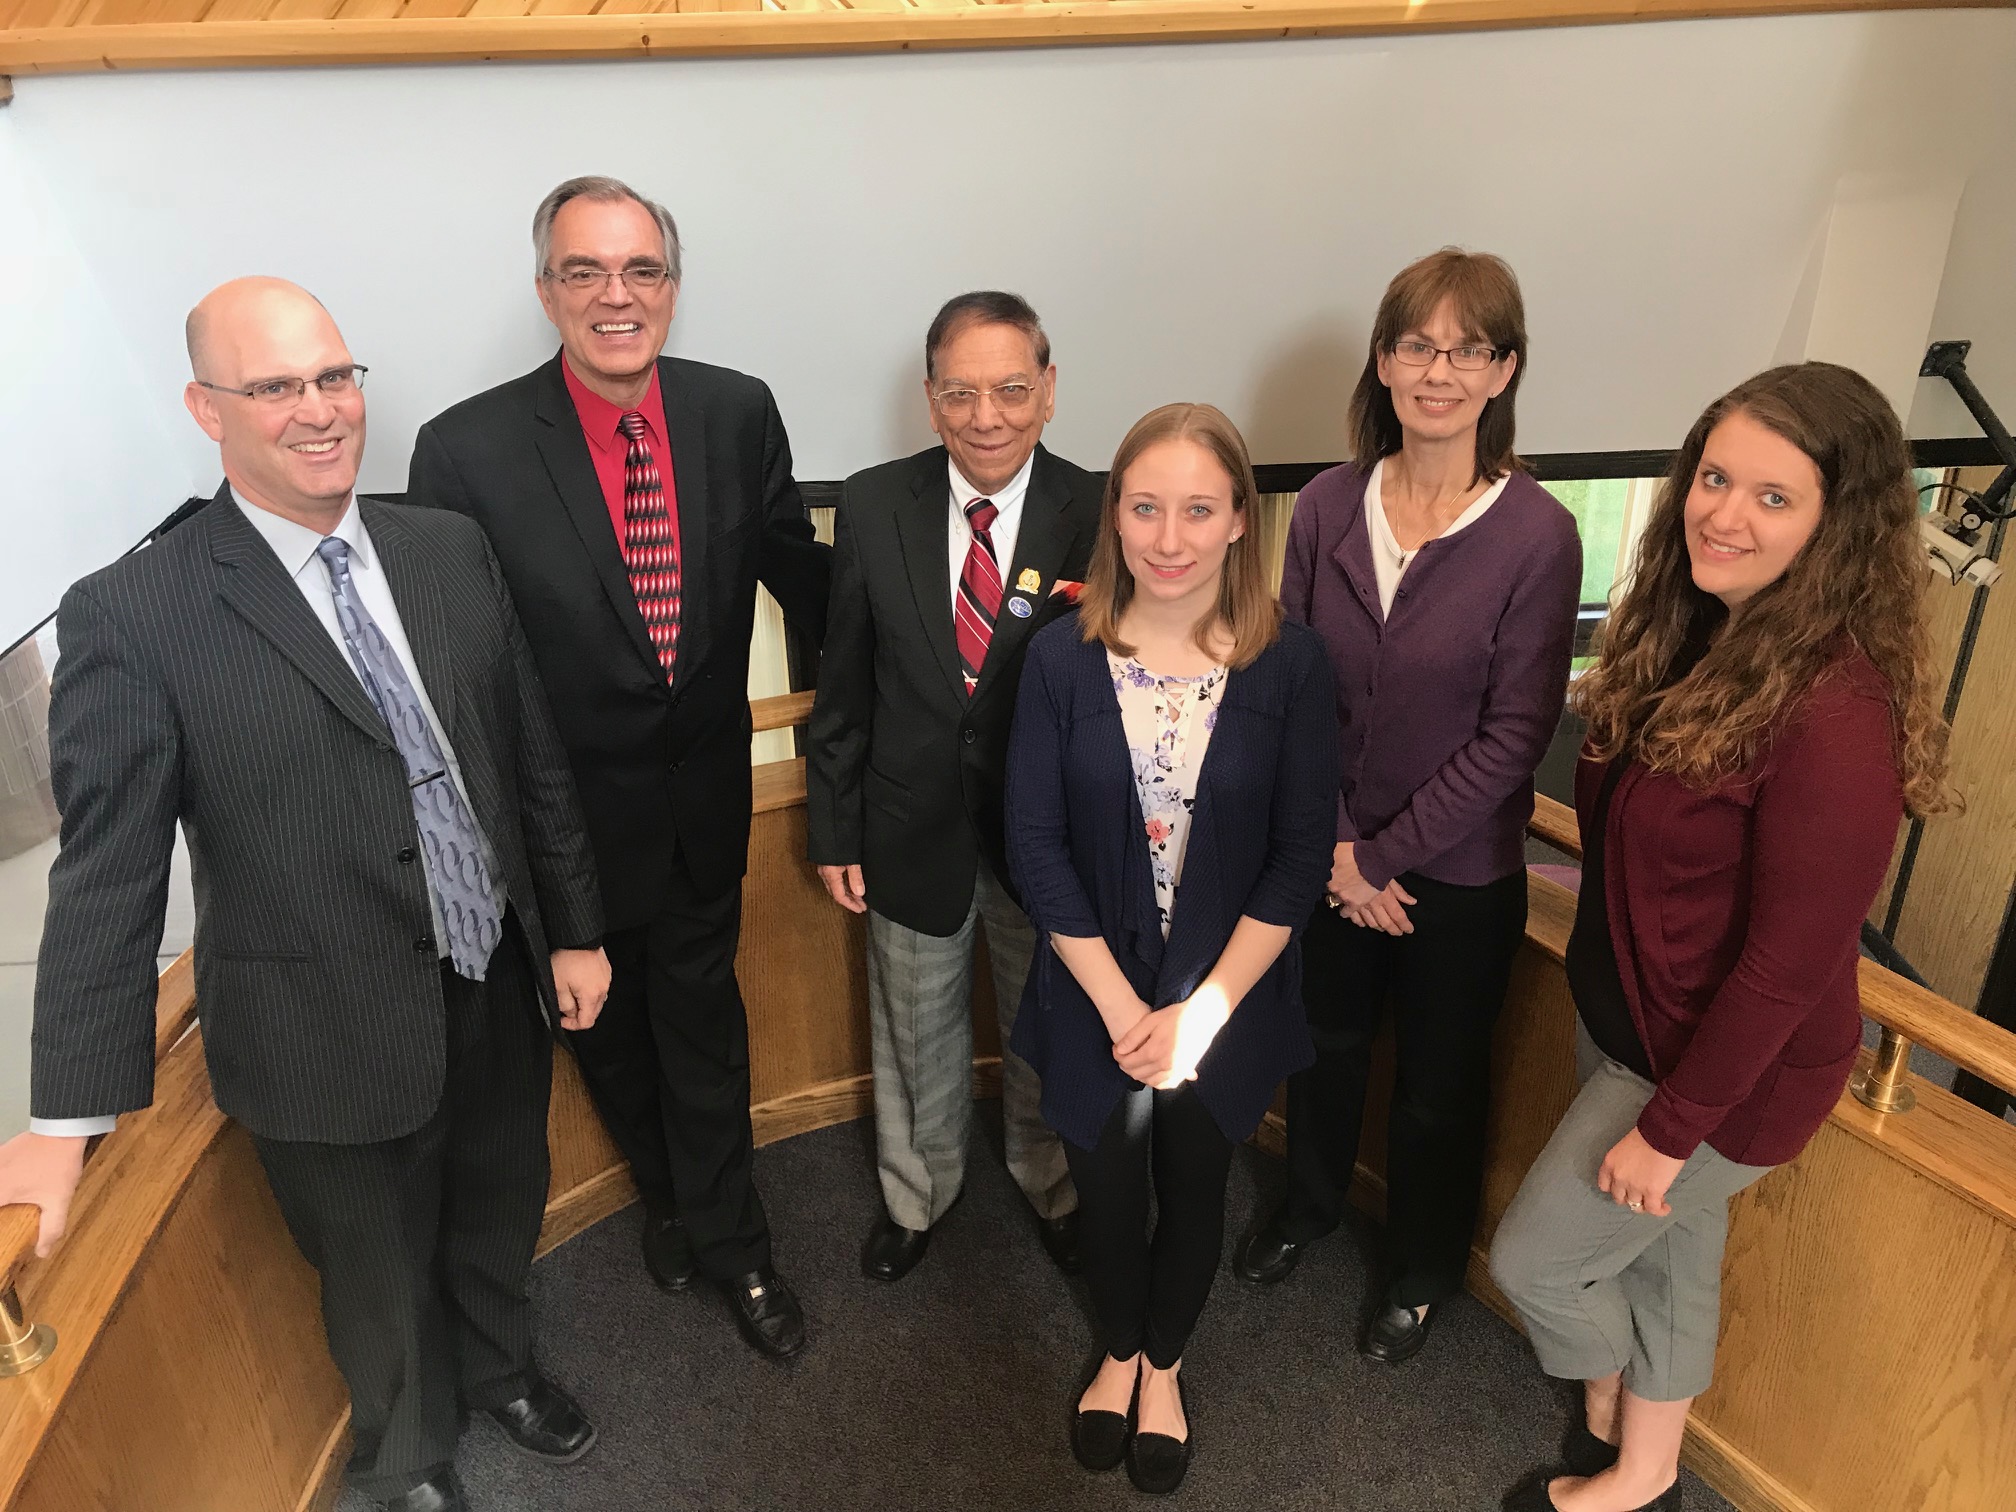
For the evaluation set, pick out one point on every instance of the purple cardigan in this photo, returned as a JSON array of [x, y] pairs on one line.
[[1445, 709]]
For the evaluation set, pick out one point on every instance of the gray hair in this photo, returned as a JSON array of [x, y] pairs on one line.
[[606, 191]]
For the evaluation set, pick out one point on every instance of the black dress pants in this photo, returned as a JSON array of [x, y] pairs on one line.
[[667, 1063], [1150, 1294], [1447, 982], [424, 1243]]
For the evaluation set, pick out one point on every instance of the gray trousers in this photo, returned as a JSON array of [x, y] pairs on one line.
[[1600, 1288], [920, 1012]]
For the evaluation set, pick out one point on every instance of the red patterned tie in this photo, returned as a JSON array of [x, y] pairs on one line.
[[650, 546], [979, 602]]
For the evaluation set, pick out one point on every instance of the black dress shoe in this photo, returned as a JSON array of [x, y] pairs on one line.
[[1267, 1255], [668, 1253], [1585, 1454], [1395, 1334], [437, 1493], [1533, 1497], [546, 1424], [766, 1312], [1156, 1462], [1060, 1239], [893, 1250], [1099, 1438]]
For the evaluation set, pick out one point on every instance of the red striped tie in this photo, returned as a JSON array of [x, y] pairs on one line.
[[979, 602], [650, 545]]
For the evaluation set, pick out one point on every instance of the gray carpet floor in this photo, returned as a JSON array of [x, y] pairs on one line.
[[950, 1390]]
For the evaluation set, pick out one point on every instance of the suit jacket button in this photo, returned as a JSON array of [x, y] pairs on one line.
[[424, 945], [405, 853], [968, 735]]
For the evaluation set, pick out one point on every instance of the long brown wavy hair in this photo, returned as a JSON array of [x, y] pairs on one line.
[[1858, 581]]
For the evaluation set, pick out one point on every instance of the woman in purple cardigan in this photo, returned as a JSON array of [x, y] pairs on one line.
[[1444, 582]]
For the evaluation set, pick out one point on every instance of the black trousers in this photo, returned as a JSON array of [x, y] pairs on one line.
[[424, 1243], [1447, 983], [667, 1063], [1150, 1294]]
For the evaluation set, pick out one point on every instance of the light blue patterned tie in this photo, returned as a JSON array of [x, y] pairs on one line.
[[454, 848]]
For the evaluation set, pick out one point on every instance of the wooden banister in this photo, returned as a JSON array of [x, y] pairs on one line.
[[784, 712], [1903, 1007]]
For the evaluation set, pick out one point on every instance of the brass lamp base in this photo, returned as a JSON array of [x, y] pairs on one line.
[[35, 1345]]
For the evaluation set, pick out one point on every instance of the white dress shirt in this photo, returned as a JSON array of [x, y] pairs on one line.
[[295, 546], [1388, 560], [1003, 532]]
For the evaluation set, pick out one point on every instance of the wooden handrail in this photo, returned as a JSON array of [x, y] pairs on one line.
[[784, 712], [1903, 1007]]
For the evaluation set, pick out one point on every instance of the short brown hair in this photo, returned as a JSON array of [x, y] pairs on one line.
[[1246, 607], [1485, 295]]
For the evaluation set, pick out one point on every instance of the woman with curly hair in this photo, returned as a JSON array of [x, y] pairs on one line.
[[1760, 717]]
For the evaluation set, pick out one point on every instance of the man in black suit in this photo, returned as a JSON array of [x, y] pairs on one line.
[[333, 698], [945, 564], [635, 501]]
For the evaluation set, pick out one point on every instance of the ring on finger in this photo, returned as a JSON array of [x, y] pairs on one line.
[[1635, 1206]]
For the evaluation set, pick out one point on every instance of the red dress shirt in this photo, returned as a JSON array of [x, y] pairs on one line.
[[1736, 915], [609, 447]]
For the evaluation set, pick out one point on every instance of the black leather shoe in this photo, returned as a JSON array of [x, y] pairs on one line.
[[668, 1253], [1395, 1334], [1099, 1438], [1156, 1462], [1060, 1240], [546, 1424], [766, 1312], [893, 1250], [437, 1493], [1585, 1454], [1267, 1255], [1533, 1497]]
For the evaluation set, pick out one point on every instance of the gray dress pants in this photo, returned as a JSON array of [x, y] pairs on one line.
[[920, 1010], [1600, 1288]]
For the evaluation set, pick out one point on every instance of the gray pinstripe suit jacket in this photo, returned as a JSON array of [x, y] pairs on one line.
[[196, 686]]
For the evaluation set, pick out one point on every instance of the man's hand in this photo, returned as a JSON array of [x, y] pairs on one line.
[[1163, 1047], [1637, 1176], [42, 1170], [581, 980], [844, 883]]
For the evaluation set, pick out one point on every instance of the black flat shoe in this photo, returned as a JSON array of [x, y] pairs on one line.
[[767, 1313], [668, 1253], [1267, 1255], [893, 1250], [1533, 1497], [1099, 1438], [546, 1424], [1395, 1334], [437, 1493], [1060, 1241], [1585, 1454], [1156, 1463]]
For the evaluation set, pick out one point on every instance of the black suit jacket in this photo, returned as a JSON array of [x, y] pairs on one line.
[[195, 685], [663, 769], [904, 770]]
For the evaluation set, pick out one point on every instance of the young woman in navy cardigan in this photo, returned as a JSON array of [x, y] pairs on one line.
[[1171, 779], [1761, 716]]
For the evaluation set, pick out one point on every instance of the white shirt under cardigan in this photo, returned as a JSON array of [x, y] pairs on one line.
[[1003, 532], [1389, 562], [295, 545]]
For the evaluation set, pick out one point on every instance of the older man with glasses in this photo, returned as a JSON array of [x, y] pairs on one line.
[[945, 564], [635, 501]]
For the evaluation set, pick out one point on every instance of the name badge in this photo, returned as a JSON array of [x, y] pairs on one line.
[[1020, 607], [1029, 582]]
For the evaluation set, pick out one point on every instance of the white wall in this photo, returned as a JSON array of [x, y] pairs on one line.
[[1193, 221]]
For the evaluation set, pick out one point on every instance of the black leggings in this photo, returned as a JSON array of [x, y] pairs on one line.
[[1149, 1295], [1447, 983]]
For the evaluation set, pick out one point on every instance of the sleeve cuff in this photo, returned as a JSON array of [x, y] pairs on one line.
[[74, 1128], [1372, 866], [1663, 1127]]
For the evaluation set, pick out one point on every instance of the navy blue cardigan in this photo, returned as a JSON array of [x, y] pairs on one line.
[[1261, 835]]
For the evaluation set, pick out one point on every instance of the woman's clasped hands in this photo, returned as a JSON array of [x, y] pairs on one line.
[[1381, 908], [1162, 1047]]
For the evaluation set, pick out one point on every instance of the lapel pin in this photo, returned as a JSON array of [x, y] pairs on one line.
[[1020, 607], [1029, 582]]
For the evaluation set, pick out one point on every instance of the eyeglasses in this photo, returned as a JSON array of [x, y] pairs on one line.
[[334, 383], [1013, 400], [645, 278], [1470, 359]]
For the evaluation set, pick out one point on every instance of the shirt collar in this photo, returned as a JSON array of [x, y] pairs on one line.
[[964, 493], [295, 544], [598, 416]]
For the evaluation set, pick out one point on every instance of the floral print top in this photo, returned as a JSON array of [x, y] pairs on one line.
[[1168, 721]]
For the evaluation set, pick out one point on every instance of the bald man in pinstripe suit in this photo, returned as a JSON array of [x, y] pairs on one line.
[[333, 699]]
